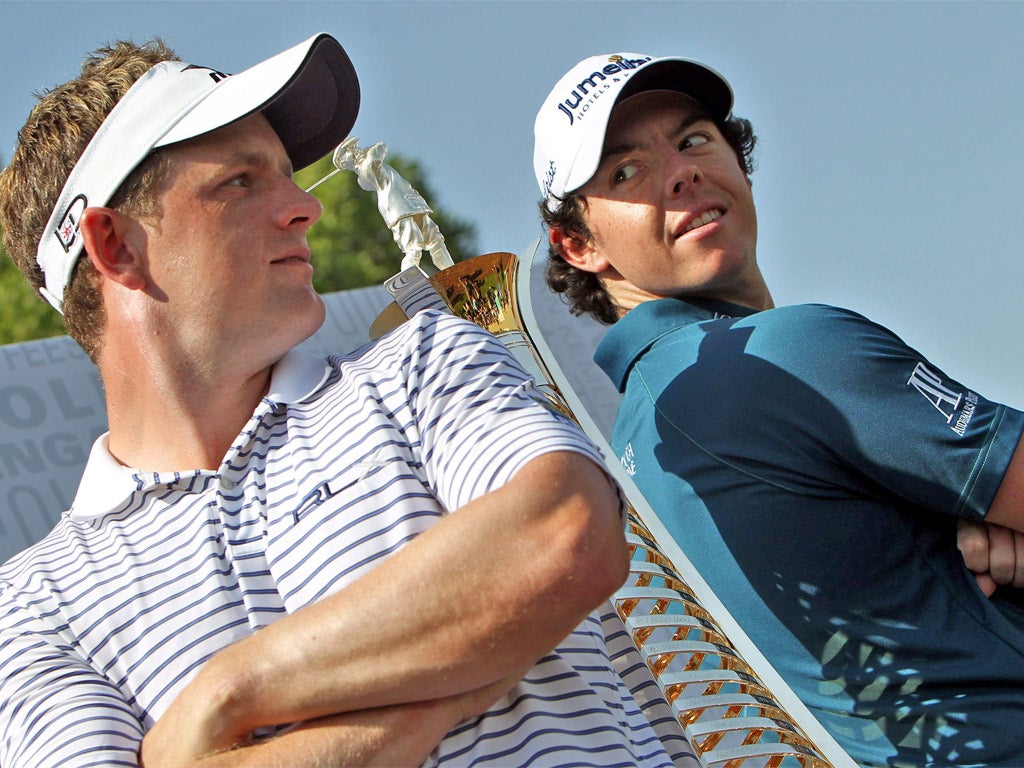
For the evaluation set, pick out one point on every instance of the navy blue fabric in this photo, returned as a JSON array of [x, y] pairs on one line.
[[813, 466]]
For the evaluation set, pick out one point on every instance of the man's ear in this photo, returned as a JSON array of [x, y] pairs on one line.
[[105, 237], [577, 251]]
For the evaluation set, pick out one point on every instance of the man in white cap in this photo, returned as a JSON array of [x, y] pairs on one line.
[[814, 467], [273, 558]]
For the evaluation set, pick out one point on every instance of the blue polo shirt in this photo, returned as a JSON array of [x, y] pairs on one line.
[[813, 466]]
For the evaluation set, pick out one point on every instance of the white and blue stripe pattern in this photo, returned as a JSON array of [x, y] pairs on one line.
[[105, 620]]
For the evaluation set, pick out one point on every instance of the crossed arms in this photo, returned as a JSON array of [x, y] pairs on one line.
[[459, 615], [995, 552]]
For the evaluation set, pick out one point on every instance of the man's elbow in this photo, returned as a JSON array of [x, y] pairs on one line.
[[597, 541], [577, 546], [609, 569]]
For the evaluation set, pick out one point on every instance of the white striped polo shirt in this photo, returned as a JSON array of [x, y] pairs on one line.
[[104, 621]]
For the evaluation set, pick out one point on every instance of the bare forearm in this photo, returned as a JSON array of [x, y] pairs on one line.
[[484, 592], [403, 734], [388, 736]]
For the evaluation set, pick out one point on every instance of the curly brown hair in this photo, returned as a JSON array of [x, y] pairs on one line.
[[52, 140], [584, 291]]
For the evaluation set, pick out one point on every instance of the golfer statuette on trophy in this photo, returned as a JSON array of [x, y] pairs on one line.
[[403, 208], [407, 215]]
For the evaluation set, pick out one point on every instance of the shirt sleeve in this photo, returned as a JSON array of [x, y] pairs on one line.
[[55, 710], [885, 419], [481, 416]]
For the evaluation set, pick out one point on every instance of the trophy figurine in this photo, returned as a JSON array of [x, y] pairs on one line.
[[403, 208]]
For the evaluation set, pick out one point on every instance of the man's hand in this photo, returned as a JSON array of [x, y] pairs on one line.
[[400, 735], [993, 553]]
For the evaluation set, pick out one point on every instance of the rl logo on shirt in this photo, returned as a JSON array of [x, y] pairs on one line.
[[945, 400]]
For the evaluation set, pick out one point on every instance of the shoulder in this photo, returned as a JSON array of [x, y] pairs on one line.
[[424, 332], [815, 344], [432, 349], [820, 327], [824, 316], [432, 326], [29, 579]]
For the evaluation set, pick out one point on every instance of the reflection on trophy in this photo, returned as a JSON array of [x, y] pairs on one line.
[[731, 705], [403, 208]]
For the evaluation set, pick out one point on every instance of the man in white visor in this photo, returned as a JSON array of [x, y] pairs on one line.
[[397, 556]]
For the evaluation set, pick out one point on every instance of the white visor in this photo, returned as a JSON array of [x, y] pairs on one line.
[[309, 94]]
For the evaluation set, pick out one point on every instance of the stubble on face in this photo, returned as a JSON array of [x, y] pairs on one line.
[[228, 259]]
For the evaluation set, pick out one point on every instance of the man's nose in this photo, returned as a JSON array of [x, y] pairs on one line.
[[299, 208], [681, 173]]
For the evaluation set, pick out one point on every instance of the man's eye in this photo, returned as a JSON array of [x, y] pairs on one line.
[[241, 180], [624, 173], [694, 140]]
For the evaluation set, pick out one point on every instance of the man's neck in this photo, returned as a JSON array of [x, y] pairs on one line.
[[180, 419], [757, 297]]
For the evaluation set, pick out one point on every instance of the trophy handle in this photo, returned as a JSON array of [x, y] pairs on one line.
[[732, 705]]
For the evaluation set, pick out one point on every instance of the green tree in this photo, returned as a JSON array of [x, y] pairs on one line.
[[352, 248], [23, 315]]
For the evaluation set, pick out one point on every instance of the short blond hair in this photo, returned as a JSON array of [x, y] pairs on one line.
[[52, 140]]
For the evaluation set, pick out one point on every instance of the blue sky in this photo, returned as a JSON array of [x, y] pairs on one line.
[[887, 175]]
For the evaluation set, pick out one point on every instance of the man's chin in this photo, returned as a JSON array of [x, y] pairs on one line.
[[303, 319]]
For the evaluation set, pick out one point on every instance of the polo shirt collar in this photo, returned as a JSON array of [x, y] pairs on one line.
[[106, 483], [643, 325], [296, 376]]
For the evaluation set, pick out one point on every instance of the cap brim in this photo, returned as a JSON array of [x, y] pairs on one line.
[[309, 94], [325, 92], [695, 80]]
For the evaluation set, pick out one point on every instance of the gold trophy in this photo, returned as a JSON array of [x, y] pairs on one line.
[[731, 704]]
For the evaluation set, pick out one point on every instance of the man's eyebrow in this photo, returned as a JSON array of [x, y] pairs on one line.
[[684, 125], [257, 159]]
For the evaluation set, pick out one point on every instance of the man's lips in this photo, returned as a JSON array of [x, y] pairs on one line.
[[294, 258], [699, 221]]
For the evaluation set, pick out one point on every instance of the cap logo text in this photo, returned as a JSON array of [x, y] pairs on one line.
[[590, 88], [549, 177]]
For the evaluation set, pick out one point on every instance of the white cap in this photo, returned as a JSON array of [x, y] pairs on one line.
[[570, 127], [309, 94]]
